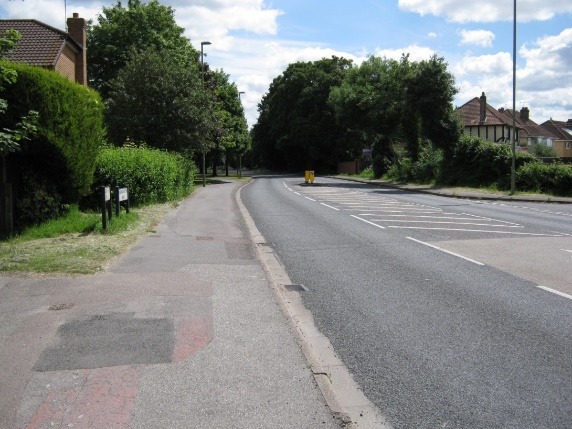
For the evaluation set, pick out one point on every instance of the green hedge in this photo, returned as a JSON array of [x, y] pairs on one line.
[[70, 129], [152, 175], [553, 179], [477, 162]]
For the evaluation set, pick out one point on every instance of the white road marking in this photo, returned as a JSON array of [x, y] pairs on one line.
[[564, 250], [311, 199], [557, 292], [446, 251], [446, 222], [330, 207], [474, 230], [367, 221]]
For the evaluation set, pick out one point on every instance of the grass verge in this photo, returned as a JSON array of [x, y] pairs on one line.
[[76, 243]]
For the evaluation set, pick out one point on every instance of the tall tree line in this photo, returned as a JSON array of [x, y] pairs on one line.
[[319, 113]]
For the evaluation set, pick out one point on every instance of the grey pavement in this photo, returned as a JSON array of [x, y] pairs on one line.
[[183, 331], [459, 192]]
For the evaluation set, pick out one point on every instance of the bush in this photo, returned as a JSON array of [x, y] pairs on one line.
[[39, 202], [553, 179], [477, 162], [152, 176], [70, 129], [425, 170]]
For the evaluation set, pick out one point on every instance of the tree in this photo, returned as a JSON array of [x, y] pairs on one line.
[[157, 100], [430, 90], [232, 138], [370, 102], [297, 128], [120, 31]]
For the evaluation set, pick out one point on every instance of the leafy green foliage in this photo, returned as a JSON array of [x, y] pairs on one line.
[[69, 130], [40, 201], [542, 151], [152, 176], [156, 100], [120, 32], [231, 134], [10, 138], [553, 179], [297, 128]]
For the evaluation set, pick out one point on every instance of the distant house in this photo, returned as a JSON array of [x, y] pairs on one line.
[[482, 120], [45, 46], [563, 136], [530, 132]]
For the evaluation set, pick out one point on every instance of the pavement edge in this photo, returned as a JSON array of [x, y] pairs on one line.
[[341, 393]]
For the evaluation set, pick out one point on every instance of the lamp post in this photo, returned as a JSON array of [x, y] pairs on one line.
[[513, 137], [203, 78], [240, 152]]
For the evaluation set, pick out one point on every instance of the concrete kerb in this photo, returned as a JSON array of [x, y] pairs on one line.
[[342, 395], [462, 194]]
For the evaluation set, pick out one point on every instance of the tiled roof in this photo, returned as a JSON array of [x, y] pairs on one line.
[[562, 130], [531, 128], [470, 114], [40, 44]]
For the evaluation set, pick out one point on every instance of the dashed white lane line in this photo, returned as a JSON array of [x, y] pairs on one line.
[[446, 251], [311, 199], [367, 221], [333, 208], [557, 292]]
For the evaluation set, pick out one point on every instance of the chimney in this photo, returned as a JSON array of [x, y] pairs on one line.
[[483, 105], [77, 31], [524, 114]]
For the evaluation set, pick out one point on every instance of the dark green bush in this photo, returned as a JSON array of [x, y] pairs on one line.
[[553, 179], [38, 203], [152, 175], [477, 162], [70, 128]]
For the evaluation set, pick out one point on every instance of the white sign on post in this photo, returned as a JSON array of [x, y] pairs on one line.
[[122, 194]]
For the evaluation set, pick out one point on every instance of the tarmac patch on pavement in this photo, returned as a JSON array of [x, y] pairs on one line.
[[109, 340]]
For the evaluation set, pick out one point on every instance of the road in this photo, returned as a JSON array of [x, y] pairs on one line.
[[448, 313]]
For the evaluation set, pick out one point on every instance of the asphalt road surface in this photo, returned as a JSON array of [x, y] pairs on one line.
[[448, 313]]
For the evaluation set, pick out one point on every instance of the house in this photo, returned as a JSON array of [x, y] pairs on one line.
[[563, 140], [45, 46], [530, 132], [482, 120]]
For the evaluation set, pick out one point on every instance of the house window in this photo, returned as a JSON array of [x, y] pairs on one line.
[[567, 145]]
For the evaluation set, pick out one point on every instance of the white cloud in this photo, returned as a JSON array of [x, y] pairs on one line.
[[416, 53], [481, 38], [484, 65], [488, 10], [544, 83], [432, 35]]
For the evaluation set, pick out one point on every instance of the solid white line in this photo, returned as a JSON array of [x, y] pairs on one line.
[[475, 230], [297, 193], [446, 222], [564, 250], [367, 221], [311, 199], [446, 251], [330, 207], [557, 292], [488, 218]]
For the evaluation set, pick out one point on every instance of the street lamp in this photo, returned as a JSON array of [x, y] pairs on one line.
[[513, 138], [203, 78], [240, 153]]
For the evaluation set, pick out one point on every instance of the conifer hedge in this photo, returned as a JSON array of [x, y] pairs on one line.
[[70, 133]]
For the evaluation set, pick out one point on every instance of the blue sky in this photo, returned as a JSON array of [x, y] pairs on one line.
[[255, 40]]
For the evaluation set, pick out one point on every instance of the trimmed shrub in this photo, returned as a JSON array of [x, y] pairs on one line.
[[152, 175], [555, 179], [70, 128], [477, 162]]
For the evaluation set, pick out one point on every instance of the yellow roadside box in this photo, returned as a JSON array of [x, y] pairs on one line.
[[309, 176]]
